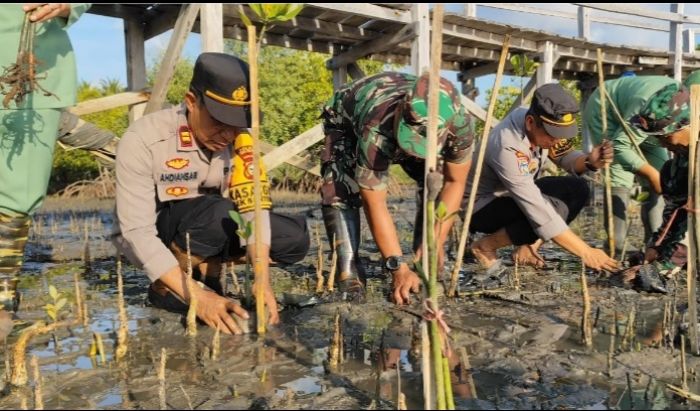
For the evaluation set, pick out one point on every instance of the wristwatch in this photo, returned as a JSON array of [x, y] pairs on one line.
[[393, 262]]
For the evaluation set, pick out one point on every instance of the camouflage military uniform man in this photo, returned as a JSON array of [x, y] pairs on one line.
[[630, 95], [28, 131], [667, 118], [176, 175], [369, 125], [515, 206]]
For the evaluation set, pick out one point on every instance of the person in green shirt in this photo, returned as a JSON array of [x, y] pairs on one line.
[[629, 95], [28, 130]]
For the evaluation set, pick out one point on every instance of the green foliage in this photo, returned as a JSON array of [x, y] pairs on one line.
[[59, 301], [245, 228], [272, 12], [523, 66]]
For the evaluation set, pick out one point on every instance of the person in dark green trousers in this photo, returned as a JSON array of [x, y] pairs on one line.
[[28, 130], [630, 95]]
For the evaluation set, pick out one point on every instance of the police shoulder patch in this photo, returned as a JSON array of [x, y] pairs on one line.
[[564, 146], [522, 162], [185, 136]]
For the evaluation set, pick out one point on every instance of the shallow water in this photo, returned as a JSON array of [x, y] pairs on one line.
[[524, 346]]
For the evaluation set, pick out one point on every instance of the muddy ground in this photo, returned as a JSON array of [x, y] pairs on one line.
[[524, 346]]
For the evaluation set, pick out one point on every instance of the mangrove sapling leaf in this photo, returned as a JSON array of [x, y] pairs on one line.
[[642, 196], [441, 211], [59, 301], [53, 293], [245, 228]]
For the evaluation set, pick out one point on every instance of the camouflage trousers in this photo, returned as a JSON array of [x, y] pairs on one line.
[[338, 162]]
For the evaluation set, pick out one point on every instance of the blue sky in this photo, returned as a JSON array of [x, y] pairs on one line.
[[99, 41]]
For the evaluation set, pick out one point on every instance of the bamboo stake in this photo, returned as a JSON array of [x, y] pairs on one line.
[[216, 344], [189, 280], [161, 379], [86, 316], [665, 323], [479, 165], [684, 368], [694, 228], [334, 265], [38, 397], [425, 368], [467, 368], [123, 331], [449, 398], [260, 275], [608, 183], [629, 330], [234, 278], [586, 331], [86, 247], [517, 276], [334, 351], [100, 347], [611, 348], [78, 298], [431, 192], [319, 263]]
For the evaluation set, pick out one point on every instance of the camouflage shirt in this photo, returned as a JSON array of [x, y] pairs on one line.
[[674, 183], [366, 110]]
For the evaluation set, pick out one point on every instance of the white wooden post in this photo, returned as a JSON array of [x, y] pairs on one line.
[[676, 42], [584, 23], [470, 9], [420, 50], [689, 41], [212, 27], [546, 67], [135, 64]]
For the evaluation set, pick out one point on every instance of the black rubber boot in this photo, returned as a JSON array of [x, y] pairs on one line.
[[13, 237], [344, 227]]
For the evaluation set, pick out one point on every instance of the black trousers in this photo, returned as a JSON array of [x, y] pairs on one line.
[[567, 194], [213, 232]]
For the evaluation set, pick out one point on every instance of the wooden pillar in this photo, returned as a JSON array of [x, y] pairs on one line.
[[420, 50], [470, 9], [584, 23], [135, 63], [689, 41], [212, 27], [340, 77], [546, 67], [676, 42]]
